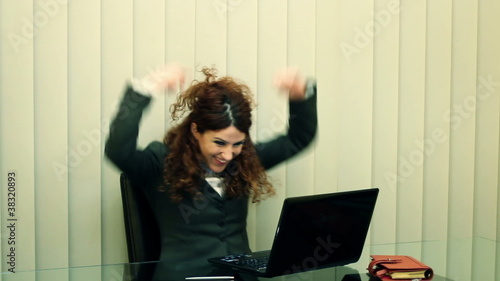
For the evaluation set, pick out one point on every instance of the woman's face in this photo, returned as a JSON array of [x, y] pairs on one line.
[[219, 147]]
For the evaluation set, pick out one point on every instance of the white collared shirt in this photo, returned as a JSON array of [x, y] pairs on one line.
[[217, 184]]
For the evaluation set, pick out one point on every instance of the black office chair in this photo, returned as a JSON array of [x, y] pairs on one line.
[[143, 236]]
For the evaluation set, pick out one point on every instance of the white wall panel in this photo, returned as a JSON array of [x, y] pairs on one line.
[[435, 145], [51, 135], [242, 42], [461, 118], [411, 120], [211, 35], [385, 117], [356, 95], [355, 111], [85, 133], [327, 57], [487, 122], [462, 136], [180, 31], [17, 132]]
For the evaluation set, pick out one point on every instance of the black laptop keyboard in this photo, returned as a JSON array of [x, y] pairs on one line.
[[247, 261]]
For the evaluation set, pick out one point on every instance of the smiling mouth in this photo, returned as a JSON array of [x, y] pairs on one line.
[[220, 161]]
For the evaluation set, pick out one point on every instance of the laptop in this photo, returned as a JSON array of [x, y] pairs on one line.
[[313, 232]]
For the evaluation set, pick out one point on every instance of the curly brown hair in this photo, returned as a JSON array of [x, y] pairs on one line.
[[213, 104]]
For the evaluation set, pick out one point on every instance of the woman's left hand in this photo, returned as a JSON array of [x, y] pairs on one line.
[[169, 78], [292, 81]]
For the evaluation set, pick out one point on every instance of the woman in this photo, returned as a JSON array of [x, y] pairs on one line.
[[200, 179]]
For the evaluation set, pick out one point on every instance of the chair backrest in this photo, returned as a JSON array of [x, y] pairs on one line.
[[141, 229]]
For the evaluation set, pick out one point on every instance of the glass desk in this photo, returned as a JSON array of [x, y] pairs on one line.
[[476, 259]]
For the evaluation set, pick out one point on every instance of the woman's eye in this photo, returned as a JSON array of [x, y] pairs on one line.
[[221, 143]]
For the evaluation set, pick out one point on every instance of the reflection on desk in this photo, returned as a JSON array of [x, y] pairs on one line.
[[452, 260]]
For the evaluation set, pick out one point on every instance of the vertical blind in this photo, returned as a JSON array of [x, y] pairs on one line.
[[408, 101]]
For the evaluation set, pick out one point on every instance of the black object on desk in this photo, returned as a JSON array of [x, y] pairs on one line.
[[313, 232]]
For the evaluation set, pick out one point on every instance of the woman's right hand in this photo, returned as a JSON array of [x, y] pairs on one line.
[[168, 77]]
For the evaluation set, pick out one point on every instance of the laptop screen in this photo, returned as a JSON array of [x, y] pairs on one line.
[[321, 231]]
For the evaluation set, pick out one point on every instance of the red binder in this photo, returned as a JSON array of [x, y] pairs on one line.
[[402, 268]]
